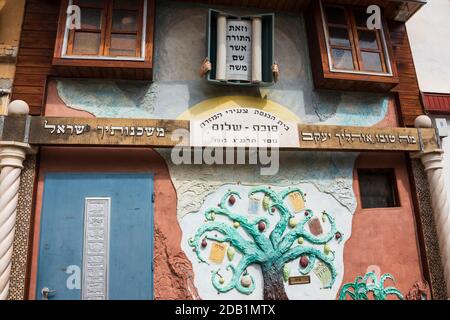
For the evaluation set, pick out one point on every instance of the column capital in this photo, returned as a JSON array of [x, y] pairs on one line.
[[432, 160], [12, 154], [429, 152]]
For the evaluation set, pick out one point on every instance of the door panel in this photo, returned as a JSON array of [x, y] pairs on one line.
[[130, 244], [129, 233]]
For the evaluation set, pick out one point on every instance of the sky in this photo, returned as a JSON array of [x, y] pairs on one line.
[[429, 35]]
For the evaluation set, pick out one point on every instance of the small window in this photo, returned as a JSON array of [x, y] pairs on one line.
[[378, 188], [109, 29], [352, 46]]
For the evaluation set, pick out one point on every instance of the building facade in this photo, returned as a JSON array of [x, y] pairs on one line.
[[102, 215]]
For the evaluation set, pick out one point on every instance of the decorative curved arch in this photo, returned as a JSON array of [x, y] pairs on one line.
[[209, 107]]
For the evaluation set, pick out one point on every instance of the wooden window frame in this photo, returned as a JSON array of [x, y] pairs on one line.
[[391, 174], [356, 49], [106, 32], [325, 76], [268, 45], [145, 62]]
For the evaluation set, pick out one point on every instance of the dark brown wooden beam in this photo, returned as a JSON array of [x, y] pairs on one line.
[[41, 131]]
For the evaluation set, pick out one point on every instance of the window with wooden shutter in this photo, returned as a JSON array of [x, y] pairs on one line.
[[345, 53], [115, 39], [240, 48], [352, 46], [378, 188], [109, 28]]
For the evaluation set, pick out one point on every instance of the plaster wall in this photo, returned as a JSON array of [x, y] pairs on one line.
[[384, 240]]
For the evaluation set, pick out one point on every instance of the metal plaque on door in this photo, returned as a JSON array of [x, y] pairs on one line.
[[96, 249]]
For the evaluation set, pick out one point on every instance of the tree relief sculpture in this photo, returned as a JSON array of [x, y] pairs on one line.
[[278, 233], [370, 287]]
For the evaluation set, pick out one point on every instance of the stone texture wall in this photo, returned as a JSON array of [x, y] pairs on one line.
[[428, 230], [20, 260]]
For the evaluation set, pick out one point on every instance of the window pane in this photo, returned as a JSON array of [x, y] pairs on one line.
[[377, 188], [86, 43], [125, 20], [361, 18], [371, 61], [368, 39], [123, 45], [91, 18], [339, 37], [342, 59], [126, 4], [335, 15]]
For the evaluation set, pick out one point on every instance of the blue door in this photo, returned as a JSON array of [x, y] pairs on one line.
[[96, 239]]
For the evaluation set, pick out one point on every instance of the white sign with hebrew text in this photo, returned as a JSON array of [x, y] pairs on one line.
[[244, 127], [239, 50], [96, 248]]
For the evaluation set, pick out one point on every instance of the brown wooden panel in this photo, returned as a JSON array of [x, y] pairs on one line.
[[102, 131], [95, 63], [158, 133], [407, 91], [30, 80], [297, 6], [34, 61], [36, 52], [33, 21], [42, 7], [43, 25], [32, 99], [139, 74], [35, 110], [35, 70], [278, 5], [290, 5], [38, 39], [28, 90]]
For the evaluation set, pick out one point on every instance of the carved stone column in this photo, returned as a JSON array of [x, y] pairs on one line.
[[433, 164], [12, 155]]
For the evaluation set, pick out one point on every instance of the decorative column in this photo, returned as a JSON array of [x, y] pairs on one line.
[[432, 161], [12, 155]]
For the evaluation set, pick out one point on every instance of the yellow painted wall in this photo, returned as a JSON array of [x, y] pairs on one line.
[[11, 15]]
